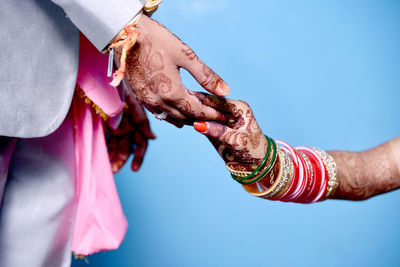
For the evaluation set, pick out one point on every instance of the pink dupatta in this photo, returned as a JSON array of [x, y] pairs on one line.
[[100, 223]]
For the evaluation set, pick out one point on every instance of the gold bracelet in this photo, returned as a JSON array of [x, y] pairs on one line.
[[237, 173], [331, 167], [285, 178]]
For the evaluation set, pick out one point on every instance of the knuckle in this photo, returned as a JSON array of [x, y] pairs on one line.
[[169, 96], [244, 103]]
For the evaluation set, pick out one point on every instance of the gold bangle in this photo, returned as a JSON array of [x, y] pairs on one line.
[[238, 173], [285, 178], [285, 175], [331, 167]]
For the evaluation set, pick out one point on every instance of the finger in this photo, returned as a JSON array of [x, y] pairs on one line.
[[112, 157], [177, 115], [205, 76], [141, 147], [122, 152], [122, 158], [214, 130], [118, 161], [117, 165], [174, 122], [219, 103], [111, 147], [143, 126], [232, 109], [168, 119], [171, 111], [191, 106]]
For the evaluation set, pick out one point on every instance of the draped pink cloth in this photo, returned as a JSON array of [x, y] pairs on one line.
[[100, 223]]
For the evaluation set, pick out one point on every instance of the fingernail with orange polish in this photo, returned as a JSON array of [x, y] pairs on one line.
[[200, 126]]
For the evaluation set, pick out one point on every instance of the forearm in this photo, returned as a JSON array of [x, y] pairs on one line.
[[368, 173]]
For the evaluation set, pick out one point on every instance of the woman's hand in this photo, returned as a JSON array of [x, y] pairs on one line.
[[131, 137], [240, 142]]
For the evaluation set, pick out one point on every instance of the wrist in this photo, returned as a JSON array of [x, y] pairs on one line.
[[264, 169], [148, 9]]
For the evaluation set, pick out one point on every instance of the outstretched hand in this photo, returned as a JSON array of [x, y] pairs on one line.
[[240, 141], [152, 72]]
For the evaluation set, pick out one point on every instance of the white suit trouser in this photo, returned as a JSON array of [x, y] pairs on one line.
[[37, 197]]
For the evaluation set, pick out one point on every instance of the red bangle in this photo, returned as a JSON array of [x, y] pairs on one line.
[[319, 184], [310, 176], [301, 182], [314, 186], [310, 173], [296, 183], [306, 184]]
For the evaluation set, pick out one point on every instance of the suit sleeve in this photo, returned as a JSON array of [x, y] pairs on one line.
[[101, 20]]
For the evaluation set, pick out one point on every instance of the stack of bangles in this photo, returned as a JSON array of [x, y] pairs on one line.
[[301, 174]]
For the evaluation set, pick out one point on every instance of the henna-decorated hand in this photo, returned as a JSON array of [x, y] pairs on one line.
[[131, 137], [240, 142], [152, 71]]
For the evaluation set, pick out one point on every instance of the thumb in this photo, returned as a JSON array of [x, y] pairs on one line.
[[213, 130]]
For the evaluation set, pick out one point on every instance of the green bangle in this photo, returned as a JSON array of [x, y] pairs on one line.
[[258, 168], [267, 169]]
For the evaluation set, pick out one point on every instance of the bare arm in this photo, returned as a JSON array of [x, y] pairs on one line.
[[361, 175], [368, 173]]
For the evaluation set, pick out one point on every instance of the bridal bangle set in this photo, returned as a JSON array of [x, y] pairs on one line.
[[301, 174]]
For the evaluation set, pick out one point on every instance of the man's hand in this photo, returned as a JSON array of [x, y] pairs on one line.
[[152, 72], [131, 137]]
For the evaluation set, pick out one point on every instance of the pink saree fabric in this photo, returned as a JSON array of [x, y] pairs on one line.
[[100, 223]]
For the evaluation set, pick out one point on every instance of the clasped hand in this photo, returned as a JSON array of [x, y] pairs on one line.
[[152, 77], [239, 141]]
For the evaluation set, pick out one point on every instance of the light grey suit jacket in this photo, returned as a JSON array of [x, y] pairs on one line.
[[39, 52]]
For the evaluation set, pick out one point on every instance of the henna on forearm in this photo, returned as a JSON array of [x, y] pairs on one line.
[[368, 173]]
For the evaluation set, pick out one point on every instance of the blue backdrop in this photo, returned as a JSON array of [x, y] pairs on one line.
[[316, 73]]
